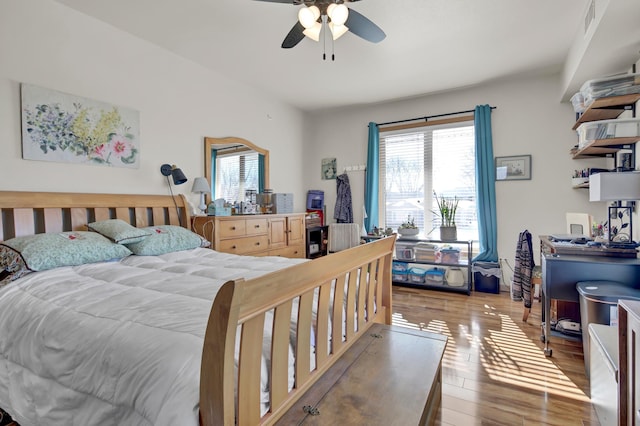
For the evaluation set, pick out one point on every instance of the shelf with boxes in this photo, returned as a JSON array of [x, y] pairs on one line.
[[433, 264], [598, 105]]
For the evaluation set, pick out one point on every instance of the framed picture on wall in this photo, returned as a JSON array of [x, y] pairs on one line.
[[517, 167], [329, 168]]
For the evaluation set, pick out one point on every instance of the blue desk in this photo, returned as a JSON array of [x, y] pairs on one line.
[[560, 273]]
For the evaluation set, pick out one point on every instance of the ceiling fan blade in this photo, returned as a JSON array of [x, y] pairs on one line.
[[294, 37], [364, 28], [296, 2]]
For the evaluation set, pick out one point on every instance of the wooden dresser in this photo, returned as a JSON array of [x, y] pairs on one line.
[[255, 235]]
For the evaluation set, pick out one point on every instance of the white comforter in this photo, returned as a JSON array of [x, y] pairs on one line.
[[113, 343]]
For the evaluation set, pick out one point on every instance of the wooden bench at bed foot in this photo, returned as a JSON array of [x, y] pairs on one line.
[[391, 375]]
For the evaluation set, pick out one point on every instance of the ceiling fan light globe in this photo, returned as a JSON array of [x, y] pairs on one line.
[[306, 17], [315, 10], [337, 31], [313, 32], [338, 13]]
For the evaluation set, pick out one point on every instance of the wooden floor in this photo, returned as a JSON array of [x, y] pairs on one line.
[[494, 369]]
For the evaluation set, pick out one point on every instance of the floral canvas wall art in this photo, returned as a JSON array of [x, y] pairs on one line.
[[61, 127]]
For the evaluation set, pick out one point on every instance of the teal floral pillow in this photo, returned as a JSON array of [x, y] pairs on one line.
[[167, 239], [40, 252], [118, 231]]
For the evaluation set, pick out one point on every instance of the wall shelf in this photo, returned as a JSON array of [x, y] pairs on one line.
[[607, 108]]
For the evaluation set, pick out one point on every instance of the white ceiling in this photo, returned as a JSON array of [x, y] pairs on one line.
[[431, 45]]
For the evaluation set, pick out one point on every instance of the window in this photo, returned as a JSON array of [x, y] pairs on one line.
[[235, 173], [416, 162]]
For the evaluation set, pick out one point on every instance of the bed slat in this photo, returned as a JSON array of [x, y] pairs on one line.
[[141, 217], [336, 332], [322, 328], [303, 338], [280, 354], [122, 213], [53, 221], [377, 275], [351, 304], [362, 296], [79, 219], [249, 362], [23, 222], [173, 217], [101, 213], [158, 216]]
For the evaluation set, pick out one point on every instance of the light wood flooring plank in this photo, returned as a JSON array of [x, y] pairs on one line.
[[494, 369]]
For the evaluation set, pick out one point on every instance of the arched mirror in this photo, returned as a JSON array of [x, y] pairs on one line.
[[233, 165]]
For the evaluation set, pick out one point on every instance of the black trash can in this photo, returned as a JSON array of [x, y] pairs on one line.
[[599, 305], [486, 277]]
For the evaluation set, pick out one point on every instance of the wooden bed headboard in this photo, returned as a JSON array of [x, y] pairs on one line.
[[27, 213]]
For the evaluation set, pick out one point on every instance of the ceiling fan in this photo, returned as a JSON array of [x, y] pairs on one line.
[[332, 13]]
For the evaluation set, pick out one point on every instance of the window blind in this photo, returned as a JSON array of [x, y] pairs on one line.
[[416, 162]]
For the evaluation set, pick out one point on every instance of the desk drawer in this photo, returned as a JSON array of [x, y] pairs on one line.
[[245, 245]]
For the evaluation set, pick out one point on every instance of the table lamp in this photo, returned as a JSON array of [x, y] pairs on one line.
[[618, 187], [201, 186]]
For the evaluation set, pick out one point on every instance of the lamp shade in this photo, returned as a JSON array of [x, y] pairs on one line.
[[200, 185], [178, 177], [618, 186]]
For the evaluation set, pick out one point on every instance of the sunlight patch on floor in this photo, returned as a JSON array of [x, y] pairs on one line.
[[507, 355]]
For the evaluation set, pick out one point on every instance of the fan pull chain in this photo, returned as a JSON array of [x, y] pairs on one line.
[[333, 53], [324, 39]]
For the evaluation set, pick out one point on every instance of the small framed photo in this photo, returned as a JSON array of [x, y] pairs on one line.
[[517, 167], [329, 168]]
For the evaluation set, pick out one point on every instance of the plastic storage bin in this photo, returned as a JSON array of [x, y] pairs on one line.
[[417, 275], [607, 129], [434, 276], [623, 84], [450, 255], [425, 252], [404, 251], [599, 305], [399, 271], [486, 277]]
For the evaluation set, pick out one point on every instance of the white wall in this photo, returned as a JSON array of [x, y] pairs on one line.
[[49, 45], [528, 120]]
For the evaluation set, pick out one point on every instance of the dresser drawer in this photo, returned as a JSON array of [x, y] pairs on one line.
[[256, 226], [291, 252], [232, 228], [244, 245]]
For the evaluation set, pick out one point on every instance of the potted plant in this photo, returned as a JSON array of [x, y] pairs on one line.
[[409, 227], [447, 211]]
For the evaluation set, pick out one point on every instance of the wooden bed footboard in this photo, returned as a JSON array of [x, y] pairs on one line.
[[317, 309]]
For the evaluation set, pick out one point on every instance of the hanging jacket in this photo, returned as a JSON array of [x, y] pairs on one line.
[[343, 212], [522, 269]]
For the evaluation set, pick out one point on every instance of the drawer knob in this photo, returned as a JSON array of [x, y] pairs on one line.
[[233, 228], [257, 226], [233, 247], [258, 243]]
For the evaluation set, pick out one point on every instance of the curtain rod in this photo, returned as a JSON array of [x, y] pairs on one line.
[[428, 117]]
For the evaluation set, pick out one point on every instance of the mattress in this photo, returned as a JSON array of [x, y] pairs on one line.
[[116, 343]]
